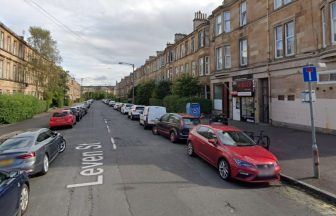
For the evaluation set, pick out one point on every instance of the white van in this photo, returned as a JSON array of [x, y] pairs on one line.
[[150, 114]]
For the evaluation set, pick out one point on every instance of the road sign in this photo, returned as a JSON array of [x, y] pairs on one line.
[[310, 74]]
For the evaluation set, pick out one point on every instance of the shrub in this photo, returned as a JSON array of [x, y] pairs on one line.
[[18, 107], [155, 102]]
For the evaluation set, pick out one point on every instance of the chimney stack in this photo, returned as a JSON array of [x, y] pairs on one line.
[[199, 19]]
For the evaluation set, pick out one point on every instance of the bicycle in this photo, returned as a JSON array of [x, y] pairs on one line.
[[263, 140]]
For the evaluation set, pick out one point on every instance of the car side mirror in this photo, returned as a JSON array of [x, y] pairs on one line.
[[213, 141], [13, 174]]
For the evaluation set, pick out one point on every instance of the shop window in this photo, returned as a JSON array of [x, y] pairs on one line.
[[291, 97], [281, 97]]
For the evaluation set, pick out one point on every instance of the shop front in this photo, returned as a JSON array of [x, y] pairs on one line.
[[243, 101]]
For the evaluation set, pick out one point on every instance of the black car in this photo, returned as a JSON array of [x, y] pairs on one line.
[[175, 126], [76, 112], [31, 151], [14, 193]]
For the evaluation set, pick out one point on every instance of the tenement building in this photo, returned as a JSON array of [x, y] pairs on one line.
[[15, 54], [249, 55], [74, 89]]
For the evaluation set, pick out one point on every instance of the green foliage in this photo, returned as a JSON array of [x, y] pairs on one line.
[[177, 104], [155, 102], [186, 86], [144, 91], [18, 107], [162, 89]]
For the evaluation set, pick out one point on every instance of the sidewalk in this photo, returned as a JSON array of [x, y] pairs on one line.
[[293, 149]]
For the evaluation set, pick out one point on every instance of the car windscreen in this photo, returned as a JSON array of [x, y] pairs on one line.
[[60, 114], [129, 105], [235, 138], [140, 108], [191, 121], [16, 143]]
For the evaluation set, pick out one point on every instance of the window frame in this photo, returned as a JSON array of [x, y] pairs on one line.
[[219, 58], [201, 66], [288, 37], [243, 14], [225, 21], [277, 40], [227, 56], [241, 51], [206, 65], [324, 27], [219, 24], [332, 23]]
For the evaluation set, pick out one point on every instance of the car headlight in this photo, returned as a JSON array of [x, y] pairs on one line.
[[242, 163]]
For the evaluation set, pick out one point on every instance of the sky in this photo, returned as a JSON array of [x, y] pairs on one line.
[[94, 35]]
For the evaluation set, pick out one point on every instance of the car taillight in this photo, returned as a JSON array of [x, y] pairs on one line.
[[27, 156]]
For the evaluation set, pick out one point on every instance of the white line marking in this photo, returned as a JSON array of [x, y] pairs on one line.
[[108, 129], [113, 143], [105, 121], [98, 182]]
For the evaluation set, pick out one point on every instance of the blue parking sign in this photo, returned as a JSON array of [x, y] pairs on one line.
[[310, 74]]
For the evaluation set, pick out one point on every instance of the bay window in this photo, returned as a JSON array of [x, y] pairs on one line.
[[243, 52], [227, 22], [219, 58], [219, 25]]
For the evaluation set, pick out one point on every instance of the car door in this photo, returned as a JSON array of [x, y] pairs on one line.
[[44, 145], [54, 142], [9, 195], [201, 139], [162, 125], [171, 125], [210, 149]]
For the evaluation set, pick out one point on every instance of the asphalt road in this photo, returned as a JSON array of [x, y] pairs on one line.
[[138, 174]]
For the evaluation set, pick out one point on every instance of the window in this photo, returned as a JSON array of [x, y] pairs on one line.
[[219, 25], [219, 58], [9, 44], [281, 97], [289, 27], [15, 48], [332, 77], [333, 22], [165, 117], [227, 57], [227, 22], [182, 69], [8, 71], [186, 48], [1, 69], [291, 97], [324, 27], [278, 42], [192, 46], [187, 68], [15, 74], [243, 52], [206, 65], [201, 66], [177, 70], [193, 68], [2, 40], [279, 3], [200, 39], [243, 18], [203, 131]]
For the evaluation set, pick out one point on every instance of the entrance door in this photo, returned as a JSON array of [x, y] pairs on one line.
[[236, 108], [264, 101]]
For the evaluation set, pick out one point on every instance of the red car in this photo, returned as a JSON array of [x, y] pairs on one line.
[[62, 118], [233, 153]]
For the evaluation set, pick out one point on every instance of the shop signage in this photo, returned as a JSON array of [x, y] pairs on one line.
[[242, 88]]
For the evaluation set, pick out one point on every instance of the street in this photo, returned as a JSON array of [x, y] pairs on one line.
[[114, 167]]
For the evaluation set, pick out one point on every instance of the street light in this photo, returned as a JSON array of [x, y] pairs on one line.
[[125, 63]]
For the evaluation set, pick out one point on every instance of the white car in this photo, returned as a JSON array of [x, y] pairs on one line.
[[125, 108], [111, 103], [150, 115], [135, 111]]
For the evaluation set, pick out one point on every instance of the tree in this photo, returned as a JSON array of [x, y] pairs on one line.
[[162, 89], [144, 91], [186, 86]]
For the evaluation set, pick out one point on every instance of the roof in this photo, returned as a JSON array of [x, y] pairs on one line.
[[222, 127]]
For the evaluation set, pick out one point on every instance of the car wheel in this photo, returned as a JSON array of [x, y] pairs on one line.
[[62, 146], [190, 149], [173, 138], [24, 200], [45, 167], [224, 169], [155, 130]]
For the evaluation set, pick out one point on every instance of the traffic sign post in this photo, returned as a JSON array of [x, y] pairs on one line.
[[310, 75]]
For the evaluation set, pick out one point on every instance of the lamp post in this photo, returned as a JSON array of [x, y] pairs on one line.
[[125, 63]]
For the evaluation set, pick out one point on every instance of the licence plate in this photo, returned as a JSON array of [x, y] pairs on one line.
[[266, 172], [5, 163]]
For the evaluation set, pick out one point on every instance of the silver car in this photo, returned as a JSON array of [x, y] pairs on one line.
[[31, 151]]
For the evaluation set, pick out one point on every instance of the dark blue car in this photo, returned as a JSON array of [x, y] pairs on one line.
[[14, 193]]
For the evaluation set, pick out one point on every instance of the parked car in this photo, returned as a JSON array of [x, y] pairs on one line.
[[62, 119], [233, 153], [111, 103], [125, 108], [31, 151], [175, 126], [14, 193], [118, 106], [135, 111], [150, 114], [76, 112]]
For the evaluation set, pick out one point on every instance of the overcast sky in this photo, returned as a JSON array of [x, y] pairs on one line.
[[108, 31]]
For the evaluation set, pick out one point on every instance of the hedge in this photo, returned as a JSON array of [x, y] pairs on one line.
[[18, 107], [155, 102], [178, 104]]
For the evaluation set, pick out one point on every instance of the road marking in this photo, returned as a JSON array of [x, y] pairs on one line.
[[108, 129], [91, 164], [105, 121], [113, 143]]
